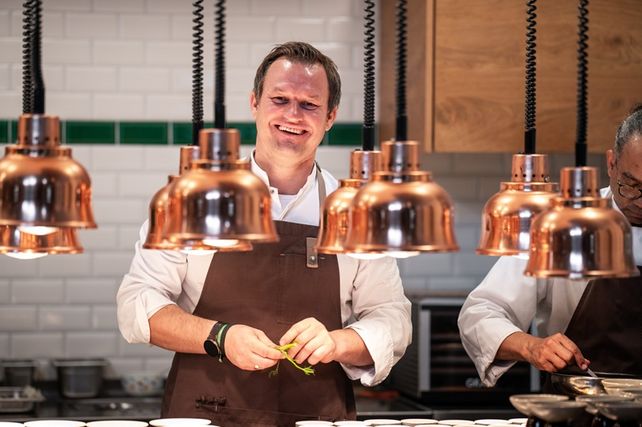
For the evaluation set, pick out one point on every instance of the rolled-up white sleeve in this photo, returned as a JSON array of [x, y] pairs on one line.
[[153, 281], [381, 317], [505, 302]]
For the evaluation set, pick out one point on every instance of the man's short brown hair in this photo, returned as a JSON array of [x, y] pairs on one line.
[[303, 53]]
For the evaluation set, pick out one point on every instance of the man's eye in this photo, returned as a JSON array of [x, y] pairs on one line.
[[279, 100], [309, 106]]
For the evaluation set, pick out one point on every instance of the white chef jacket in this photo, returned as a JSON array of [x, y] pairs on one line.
[[506, 302], [372, 299]]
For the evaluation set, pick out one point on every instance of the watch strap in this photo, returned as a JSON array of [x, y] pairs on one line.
[[217, 335]]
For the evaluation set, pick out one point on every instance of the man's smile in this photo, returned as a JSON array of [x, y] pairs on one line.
[[290, 130]]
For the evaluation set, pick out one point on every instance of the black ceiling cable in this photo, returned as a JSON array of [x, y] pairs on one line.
[[27, 78], [197, 70], [368, 132], [36, 60], [582, 72], [219, 70], [531, 65], [401, 133]]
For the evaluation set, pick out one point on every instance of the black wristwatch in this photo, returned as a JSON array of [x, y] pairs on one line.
[[214, 345]]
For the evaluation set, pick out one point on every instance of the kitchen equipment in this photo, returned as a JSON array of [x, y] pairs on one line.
[[143, 383], [18, 372], [18, 399], [573, 384], [621, 411], [557, 412], [10, 424], [436, 360], [80, 377], [523, 402]]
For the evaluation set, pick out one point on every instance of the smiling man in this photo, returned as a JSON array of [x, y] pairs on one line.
[[224, 315], [579, 323]]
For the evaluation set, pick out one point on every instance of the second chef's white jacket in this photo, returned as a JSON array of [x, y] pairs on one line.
[[372, 298], [506, 302]]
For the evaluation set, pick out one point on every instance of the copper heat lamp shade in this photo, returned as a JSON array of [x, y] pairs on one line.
[[401, 209], [62, 241], [581, 236], [158, 212], [335, 214], [219, 199], [507, 215], [40, 184]]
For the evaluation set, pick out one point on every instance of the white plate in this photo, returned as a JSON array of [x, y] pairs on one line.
[[489, 421], [54, 423], [518, 420], [455, 422], [349, 423], [313, 423], [117, 423], [381, 422], [179, 422], [418, 421]]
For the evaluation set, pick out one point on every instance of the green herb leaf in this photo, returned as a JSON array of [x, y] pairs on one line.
[[307, 370]]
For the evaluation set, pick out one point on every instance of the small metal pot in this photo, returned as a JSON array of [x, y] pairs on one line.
[[80, 378], [18, 372]]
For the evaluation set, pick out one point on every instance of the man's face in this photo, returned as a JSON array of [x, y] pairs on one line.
[[625, 176], [292, 114]]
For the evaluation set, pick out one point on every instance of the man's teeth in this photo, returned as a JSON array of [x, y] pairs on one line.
[[291, 130]]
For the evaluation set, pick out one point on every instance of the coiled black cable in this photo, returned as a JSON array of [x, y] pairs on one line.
[[582, 84], [27, 78], [401, 133], [36, 62], [219, 71], [530, 101], [197, 70], [368, 134]]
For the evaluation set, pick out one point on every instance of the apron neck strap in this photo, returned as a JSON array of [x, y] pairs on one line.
[[320, 185]]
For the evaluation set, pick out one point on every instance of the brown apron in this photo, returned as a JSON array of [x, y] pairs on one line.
[[269, 288], [607, 325]]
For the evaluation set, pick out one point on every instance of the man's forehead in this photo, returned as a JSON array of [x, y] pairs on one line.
[[630, 159]]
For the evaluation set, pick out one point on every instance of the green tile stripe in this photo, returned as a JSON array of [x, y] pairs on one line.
[[154, 133], [164, 133], [4, 131], [90, 132]]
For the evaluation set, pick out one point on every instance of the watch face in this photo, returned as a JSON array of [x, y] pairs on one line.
[[211, 348]]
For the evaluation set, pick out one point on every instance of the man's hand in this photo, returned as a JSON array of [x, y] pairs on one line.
[[250, 349], [553, 353], [313, 340], [548, 354]]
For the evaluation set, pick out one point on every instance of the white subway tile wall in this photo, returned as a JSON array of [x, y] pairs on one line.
[[128, 60]]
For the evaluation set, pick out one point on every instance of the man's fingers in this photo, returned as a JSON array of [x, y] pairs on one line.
[[266, 348], [292, 333], [580, 360]]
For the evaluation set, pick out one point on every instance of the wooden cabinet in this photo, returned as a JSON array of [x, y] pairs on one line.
[[466, 72]]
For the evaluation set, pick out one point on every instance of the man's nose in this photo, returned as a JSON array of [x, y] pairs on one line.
[[293, 112]]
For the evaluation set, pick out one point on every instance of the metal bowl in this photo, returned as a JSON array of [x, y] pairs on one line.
[[522, 402], [556, 412], [622, 411], [573, 384], [592, 401]]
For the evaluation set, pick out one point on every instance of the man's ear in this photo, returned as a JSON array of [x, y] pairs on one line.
[[332, 116], [610, 163], [253, 104]]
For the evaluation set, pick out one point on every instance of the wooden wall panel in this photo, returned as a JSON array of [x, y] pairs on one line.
[[473, 77]]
